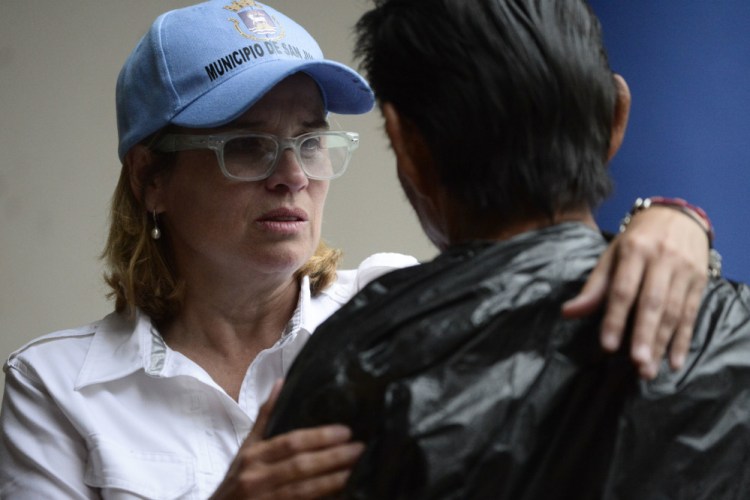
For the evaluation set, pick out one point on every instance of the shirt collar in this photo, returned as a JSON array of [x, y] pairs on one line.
[[299, 328], [123, 345], [120, 346]]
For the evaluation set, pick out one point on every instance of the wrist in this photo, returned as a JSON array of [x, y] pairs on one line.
[[694, 212]]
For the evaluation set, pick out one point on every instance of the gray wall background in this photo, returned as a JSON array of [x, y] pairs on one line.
[[58, 164]]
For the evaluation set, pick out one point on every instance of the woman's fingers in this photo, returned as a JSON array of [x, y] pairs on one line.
[[305, 463]]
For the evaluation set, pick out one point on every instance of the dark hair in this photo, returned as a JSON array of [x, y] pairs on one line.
[[515, 98]]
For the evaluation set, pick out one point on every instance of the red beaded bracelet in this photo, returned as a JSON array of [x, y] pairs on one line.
[[694, 212], [689, 209]]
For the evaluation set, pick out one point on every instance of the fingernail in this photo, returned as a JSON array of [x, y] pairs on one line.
[[356, 449], [610, 341], [642, 353], [678, 361], [340, 432]]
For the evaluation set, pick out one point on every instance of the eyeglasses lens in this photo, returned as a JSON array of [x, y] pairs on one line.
[[323, 156], [249, 157]]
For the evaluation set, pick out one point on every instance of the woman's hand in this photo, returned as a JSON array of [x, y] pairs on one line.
[[308, 463], [657, 269]]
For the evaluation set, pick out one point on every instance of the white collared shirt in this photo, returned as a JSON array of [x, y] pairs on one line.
[[108, 410]]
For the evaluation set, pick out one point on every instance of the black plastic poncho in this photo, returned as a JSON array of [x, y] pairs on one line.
[[465, 382]]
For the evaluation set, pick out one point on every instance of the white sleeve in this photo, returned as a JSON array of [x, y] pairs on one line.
[[376, 265], [41, 453]]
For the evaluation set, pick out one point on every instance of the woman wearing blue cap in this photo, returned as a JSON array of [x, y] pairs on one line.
[[218, 273]]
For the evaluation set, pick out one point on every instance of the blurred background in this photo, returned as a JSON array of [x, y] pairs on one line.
[[686, 62]]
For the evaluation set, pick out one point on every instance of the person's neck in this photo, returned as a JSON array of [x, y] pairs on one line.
[[499, 231], [233, 318], [224, 333]]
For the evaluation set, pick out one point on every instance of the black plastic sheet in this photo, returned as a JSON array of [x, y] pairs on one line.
[[465, 382]]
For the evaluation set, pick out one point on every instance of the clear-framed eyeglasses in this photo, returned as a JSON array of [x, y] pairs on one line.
[[250, 156]]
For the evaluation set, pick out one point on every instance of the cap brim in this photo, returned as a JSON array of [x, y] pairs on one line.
[[344, 91]]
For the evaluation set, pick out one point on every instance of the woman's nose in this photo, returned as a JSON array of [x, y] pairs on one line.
[[288, 173]]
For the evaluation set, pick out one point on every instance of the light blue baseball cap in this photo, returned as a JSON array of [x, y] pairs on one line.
[[205, 65]]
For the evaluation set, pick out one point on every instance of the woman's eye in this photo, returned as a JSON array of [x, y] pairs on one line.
[[250, 147], [312, 144]]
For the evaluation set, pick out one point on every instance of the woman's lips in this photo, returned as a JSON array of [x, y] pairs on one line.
[[283, 220]]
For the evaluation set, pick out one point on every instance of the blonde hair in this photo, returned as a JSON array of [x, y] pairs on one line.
[[141, 273]]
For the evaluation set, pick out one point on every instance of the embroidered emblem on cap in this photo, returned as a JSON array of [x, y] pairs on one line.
[[262, 26]]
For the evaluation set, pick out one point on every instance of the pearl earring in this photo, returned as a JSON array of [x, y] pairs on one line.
[[155, 232]]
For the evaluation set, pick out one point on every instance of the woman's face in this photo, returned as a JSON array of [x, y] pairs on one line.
[[233, 229]]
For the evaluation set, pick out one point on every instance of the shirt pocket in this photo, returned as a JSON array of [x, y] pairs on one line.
[[123, 473]]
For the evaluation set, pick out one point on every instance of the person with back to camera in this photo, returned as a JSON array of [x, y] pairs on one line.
[[219, 277], [460, 375]]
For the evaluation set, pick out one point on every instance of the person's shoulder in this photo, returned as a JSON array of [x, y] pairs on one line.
[[728, 302], [739, 290], [719, 353], [51, 344], [350, 281], [60, 351]]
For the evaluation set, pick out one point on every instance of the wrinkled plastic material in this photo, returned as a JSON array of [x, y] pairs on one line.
[[465, 382]]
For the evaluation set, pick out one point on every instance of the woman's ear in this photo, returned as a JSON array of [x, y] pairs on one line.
[[620, 118], [146, 186]]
